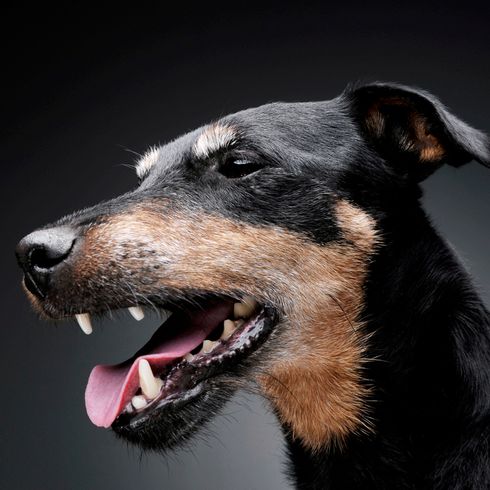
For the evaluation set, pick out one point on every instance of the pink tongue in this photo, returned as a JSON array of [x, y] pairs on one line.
[[110, 388]]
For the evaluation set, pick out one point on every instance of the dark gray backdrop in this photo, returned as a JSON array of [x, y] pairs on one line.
[[81, 87]]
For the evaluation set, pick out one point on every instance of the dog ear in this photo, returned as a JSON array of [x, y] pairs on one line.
[[412, 129]]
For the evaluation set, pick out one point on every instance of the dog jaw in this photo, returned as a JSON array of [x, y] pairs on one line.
[[316, 383], [313, 370]]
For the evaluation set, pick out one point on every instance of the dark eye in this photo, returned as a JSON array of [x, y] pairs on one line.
[[234, 168]]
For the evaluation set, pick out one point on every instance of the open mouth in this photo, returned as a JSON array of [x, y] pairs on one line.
[[189, 348]]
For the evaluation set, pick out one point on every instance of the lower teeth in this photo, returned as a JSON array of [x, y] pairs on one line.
[[139, 402], [151, 385]]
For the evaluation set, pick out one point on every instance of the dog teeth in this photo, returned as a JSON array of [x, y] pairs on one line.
[[208, 346], [228, 328], [150, 386], [137, 312], [138, 402], [245, 308], [83, 320]]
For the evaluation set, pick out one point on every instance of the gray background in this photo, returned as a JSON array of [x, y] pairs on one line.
[[82, 87]]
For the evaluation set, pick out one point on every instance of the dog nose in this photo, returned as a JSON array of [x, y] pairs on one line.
[[40, 253]]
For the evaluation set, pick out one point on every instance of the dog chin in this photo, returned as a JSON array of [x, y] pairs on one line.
[[173, 422]]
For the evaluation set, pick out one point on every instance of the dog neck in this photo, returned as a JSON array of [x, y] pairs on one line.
[[429, 374]]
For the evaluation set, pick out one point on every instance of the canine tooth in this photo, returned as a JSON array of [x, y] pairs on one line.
[[83, 320], [208, 346], [139, 402], [189, 357], [137, 312], [245, 308], [228, 328], [150, 386]]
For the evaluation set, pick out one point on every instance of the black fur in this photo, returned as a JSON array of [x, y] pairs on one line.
[[431, 339], [430, 344]]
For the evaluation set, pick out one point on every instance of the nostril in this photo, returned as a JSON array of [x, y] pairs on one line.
[[41, 253], [46, 258], [45, 249]]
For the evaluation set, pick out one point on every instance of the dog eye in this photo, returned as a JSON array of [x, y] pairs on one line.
[[234, 168]]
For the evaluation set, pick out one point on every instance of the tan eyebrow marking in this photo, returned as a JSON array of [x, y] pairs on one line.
[[147, 161], [214, 138]]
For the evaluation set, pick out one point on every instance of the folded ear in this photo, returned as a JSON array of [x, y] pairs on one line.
[[414, 131]]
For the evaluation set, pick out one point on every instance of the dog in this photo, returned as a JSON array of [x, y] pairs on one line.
[[288, 251]]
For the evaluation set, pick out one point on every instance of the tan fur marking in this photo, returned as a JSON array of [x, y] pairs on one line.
[[213, 138], [147, 161], [426, 144], [375, 122], [316, 387], [357, 226], [314, 367]]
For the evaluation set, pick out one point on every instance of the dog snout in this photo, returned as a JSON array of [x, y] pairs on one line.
[[42, 252]]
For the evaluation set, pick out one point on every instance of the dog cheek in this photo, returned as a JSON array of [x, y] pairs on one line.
[[314, 375], [314, 378]]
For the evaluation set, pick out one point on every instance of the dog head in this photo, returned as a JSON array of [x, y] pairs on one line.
[[256, 232]]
